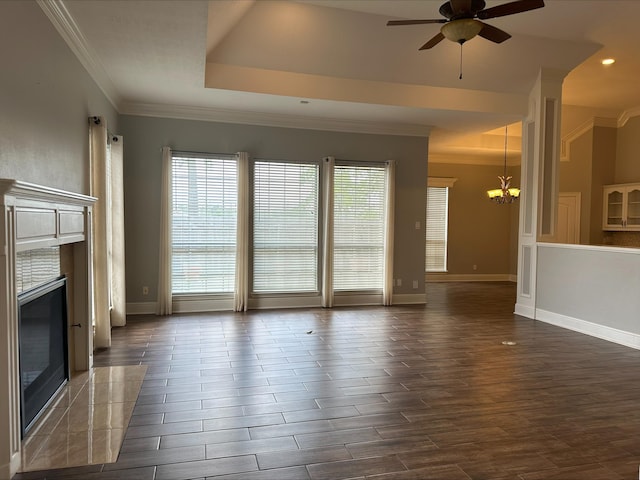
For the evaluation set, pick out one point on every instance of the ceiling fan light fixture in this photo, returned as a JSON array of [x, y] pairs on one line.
[[461, 30]]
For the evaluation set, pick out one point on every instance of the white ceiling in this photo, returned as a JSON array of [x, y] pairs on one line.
[[255, 61]]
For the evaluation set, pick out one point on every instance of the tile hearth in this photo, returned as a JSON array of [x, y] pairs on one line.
[[86, 423]]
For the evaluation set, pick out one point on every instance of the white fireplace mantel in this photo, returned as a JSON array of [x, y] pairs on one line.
[[34, 216]]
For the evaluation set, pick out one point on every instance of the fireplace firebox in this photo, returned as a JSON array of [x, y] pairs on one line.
[[44, 365]]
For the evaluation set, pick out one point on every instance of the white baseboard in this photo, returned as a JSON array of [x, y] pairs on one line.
[[265, 302], [525, 311], [409, 299], [141, 308], [469, 277], [610, 334], [197, 304]]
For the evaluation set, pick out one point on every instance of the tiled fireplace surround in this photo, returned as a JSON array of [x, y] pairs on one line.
[[34, 217]]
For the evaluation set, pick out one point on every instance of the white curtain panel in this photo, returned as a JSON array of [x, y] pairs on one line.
[[328, 166], [118, 296], [164, 304], [99, 188], [390, 194], [241, 295]]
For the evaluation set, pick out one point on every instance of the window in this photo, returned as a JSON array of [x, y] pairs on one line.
[[204, 213], [437, 223], [285, 227], [359, 213]]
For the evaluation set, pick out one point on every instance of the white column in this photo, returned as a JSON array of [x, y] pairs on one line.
[[539, 181]]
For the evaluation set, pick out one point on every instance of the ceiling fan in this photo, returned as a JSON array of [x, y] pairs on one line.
[[461, 20]]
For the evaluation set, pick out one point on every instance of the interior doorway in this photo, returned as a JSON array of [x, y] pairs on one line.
[[568, 230]]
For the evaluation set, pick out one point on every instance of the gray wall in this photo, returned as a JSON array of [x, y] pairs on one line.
[[593, 284], [45, 98], [145, 136]]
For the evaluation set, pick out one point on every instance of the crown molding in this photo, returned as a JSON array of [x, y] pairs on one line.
[[627, 115], [66, 26], [272, 120], [474, 156], [568, 139], [441, 181]]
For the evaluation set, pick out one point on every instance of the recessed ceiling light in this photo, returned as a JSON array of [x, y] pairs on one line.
[[304, 102], [608, 61]]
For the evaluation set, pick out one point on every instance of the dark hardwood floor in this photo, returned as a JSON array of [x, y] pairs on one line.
[[407, 392]]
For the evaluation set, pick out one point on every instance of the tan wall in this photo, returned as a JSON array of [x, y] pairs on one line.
[[590, 166], [603, 173], [481, 233], [575, 176], [627, 168]]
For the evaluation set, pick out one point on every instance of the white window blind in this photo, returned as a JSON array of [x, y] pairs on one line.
[[436, 222], [285, 227], [359, 193], [204, 223]]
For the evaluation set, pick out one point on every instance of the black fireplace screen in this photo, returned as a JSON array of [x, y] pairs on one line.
[[44, 367]]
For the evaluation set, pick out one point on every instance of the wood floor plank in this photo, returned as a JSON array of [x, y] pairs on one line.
[[393, 393]]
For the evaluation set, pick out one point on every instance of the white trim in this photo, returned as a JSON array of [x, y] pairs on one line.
[[441, 182], [209, 114], [568, 139], [357, 299], [32, 191], [68, 29], [525, 311], [627, 115], [596, 248], [610, 334], [264, 302], [194, 304], [474, 156], [409, 299], [141, 308], [468, 277]]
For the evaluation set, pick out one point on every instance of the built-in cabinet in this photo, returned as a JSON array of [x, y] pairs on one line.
[[621, 207]]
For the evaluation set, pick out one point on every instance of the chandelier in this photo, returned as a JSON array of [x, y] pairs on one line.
[[506, 193]]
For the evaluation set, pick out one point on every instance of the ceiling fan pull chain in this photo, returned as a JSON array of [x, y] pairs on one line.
[[460, 78]]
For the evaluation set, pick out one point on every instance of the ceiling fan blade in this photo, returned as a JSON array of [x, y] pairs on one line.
[[433, 42], [460, 6], [510, 8], [494, 34], [415, 22]]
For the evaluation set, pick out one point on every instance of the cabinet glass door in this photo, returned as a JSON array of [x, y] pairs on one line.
[[614, 208], [633, 207]]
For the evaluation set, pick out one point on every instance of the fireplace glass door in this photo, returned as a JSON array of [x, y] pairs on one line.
[[44, 366]]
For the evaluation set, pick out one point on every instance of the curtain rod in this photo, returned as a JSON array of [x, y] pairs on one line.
[[97, 121]]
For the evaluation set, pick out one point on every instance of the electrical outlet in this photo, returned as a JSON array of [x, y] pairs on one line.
[[145, 290], [415, 284], [475, 267], [398, 282]]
